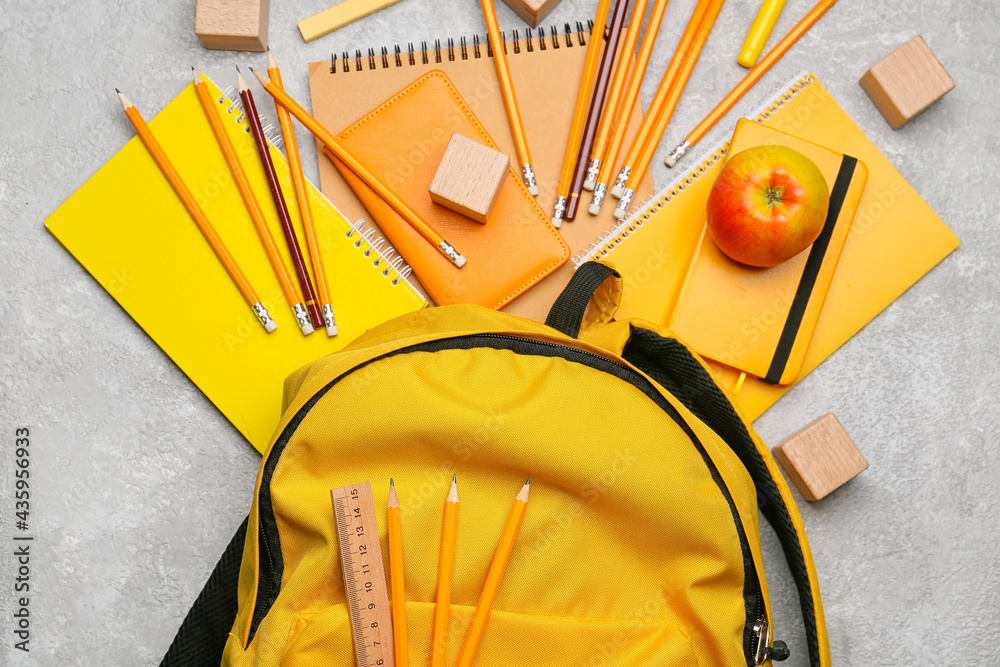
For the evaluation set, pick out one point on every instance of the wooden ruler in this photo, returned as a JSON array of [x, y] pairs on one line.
[[364, 576]]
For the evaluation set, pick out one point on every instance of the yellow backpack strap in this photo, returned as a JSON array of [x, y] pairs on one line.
[[679, 371], [202, 636]]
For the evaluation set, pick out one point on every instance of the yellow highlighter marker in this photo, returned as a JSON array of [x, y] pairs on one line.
[[759, 32]]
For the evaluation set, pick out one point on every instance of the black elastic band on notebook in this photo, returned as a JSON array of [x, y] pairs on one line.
[[811, 271]]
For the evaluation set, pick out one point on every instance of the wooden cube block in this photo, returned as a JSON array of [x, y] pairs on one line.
[[820, 457], [906, 82], [532, 11], [468, 177], [232, 25]]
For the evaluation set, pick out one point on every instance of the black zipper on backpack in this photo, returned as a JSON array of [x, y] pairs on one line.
[[270, 572]]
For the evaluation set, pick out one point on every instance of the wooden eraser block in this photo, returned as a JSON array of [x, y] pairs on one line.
[[906, 82], [532, 11], [469, 177], [232, 25], [820, 457]]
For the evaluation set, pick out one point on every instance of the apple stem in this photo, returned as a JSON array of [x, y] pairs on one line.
[[773, 196]]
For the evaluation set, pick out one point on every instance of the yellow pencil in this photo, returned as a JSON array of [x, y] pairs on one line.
[[305, 208], [253, 206], [759, 32], [666, 110], [446, 568], [747, 82], [509, 100], [196, 212], [580, 110], [327, 139], [609, 114], [625, 108], [489, 594], [662, 92], [396, 579]]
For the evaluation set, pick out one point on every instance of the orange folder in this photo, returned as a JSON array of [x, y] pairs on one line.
[[402, 142]]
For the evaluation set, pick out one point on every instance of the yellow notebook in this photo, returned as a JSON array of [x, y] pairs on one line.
[[758, 320], [131, 232], [896, 238]]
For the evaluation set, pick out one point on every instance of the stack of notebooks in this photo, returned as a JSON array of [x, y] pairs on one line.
[[131, 232], [895, 239]]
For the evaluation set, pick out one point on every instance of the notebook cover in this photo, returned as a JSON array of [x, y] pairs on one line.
[[128, 228], [545, 67], [401, 142], [761, 320], [896, 238]]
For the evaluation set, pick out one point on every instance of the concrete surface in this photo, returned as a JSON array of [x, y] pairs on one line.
[[138, 482]]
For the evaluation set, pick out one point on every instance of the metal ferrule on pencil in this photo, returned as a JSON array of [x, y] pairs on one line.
[[529, 179], [593, 169], [624, 202], [264, 317], [329, 320], [557, 214], [677, 154], [302, 317], [619, 186], [599, 193], [452, 254]]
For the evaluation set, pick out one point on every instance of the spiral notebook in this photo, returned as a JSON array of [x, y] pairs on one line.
[[131, 232], [545, 67], [896, 237]]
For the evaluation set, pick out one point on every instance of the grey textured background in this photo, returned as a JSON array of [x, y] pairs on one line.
[[138, 482]]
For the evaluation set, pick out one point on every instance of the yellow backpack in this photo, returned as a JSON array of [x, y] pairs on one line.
[[640, 544]]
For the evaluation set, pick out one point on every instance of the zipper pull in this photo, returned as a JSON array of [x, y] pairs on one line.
[[765, 651]]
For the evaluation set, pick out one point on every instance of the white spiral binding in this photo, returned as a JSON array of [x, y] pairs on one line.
[[383, 251], [642, 213], [376, 245]]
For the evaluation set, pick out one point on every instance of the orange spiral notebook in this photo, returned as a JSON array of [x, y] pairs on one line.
[[545, 65], [401, 142]]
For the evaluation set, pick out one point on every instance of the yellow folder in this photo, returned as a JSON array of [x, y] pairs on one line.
[[131, 232], [896, 238]]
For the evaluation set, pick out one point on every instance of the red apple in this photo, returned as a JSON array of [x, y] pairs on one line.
[[768, 205]]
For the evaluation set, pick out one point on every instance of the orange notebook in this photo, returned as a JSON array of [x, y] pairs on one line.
[[401, 142], [545, 65], [761, 321]]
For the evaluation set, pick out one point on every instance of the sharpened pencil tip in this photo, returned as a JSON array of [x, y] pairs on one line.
[[124, 100], [393, 499], [454, 479], [260, 77], [243, 85], [522, 495]]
